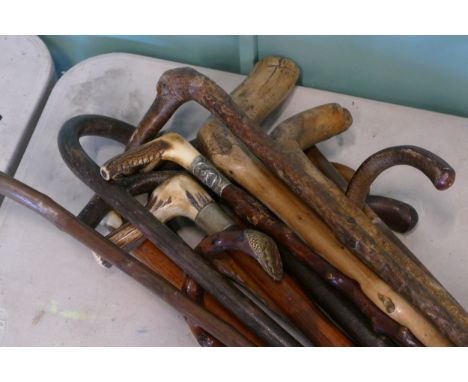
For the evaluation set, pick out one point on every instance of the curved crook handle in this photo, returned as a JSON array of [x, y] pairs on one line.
[[177, 196], [312, 126], [250, 242], [441, 174], [397, 215], [271, 79]]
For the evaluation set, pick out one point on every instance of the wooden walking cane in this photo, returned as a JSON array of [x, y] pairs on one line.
[[170, 200], [154, 259], [182, 196], [178, 86], [168, 149], [407, 271], [80, 163], [173, 147], [339, 308], [68, 223]]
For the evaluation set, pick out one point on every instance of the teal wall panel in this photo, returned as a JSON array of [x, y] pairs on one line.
[[427, 72], [220, 52]]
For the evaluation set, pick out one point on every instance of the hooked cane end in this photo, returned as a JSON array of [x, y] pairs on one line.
[[446, 179]]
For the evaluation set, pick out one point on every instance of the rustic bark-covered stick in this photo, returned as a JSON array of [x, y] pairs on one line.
[[375, 246], [392, 305], [341, 175], [172, 146], [201, 271], [170, 200], [321, 123], [68, 223], [441, 174]]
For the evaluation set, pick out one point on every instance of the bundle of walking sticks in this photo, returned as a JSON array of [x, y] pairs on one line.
[[296, 253]]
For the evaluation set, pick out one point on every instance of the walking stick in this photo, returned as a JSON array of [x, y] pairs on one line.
[[68, 223], [170, 200], [173, 147], [407, 273], [198, 269], [340, 309], [158, 262], [350, 224]]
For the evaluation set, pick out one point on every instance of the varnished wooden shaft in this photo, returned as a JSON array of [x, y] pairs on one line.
[[152, 257], [298, 307], [256, 214], [336, 305]]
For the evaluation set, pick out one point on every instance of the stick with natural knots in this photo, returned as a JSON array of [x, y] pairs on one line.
[[233, 159], [370, 243], [173, 147]]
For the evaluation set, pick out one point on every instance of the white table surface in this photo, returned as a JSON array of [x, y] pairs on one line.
[[26, 76], [53, 293]]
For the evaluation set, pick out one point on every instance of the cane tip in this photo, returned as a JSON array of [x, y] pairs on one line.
[[445, 180]]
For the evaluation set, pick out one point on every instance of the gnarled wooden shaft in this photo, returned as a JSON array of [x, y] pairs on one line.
[[269, 83], [259, 216], [368, 241], [68, 223], [231, 156], [441, 174], [80, 163]]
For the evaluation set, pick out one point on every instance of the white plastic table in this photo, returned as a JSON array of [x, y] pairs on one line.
[[26, 76], [53, 293]]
